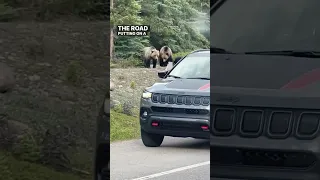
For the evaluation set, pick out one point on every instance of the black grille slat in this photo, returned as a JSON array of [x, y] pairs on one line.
[[197, 101], [163, 98], [180, 110], [155, 98], [180, 100], [172, 99], [179, 126], [206, 101], [223, 123], [279, 123], [189, 100], [251, 122], [275, 123], [261, 158], [308, 124]]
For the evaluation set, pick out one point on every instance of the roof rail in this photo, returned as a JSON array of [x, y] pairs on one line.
[[200, 50]]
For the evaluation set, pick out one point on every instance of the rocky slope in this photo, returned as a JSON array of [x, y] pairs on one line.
[[129, 84], [61, 73]]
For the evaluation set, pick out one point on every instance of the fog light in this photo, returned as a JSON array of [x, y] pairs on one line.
[[205, 127], [145, 114], [155, 124]]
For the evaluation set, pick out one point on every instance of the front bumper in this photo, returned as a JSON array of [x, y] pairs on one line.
[[176, 127], [175, 122], [304, 160]]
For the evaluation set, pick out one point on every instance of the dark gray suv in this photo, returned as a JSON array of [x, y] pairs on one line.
[[178, 105], [265, 93]]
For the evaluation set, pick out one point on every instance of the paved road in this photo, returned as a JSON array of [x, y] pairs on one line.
[[177, 158]]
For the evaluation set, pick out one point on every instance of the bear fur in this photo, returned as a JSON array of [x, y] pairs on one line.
[[165, 56], [150, 54]]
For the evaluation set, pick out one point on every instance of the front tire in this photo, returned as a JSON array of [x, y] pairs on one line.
[[151, 140], [104, 173], [102, 162]]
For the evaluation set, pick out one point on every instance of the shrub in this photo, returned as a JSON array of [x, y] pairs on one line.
[[133, 85], [7, 13], [117, 108], [75, 73], [180, 54], [27, 149], [128, 109]]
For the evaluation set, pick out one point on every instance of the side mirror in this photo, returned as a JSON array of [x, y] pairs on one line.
[[162, 74], [176, 60]]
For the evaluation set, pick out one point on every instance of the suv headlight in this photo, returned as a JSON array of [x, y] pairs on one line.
[[146, 94]]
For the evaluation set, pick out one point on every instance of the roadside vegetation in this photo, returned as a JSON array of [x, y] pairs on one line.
[[123, 127]]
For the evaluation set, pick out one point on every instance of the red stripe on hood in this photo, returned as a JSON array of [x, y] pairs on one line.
[[304, 80], [202, 88]]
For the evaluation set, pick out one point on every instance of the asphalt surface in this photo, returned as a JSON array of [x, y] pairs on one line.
[[176, 158]]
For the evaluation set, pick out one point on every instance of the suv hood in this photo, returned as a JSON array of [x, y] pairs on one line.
[[182, 86], [265, 80]]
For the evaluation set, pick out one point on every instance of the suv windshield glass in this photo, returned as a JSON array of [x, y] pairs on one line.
[[196, 65], [266, 25]]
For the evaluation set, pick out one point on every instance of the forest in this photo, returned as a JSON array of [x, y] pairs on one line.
[[183, 25], [49, 10]]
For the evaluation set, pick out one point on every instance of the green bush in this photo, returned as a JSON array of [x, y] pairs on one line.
[[75, 73], [133, 85], [27, 149], [118, 108], [7, 13], [180, 54]]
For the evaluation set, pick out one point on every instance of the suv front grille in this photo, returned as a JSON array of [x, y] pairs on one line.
[[180, 99], [270, 122], [261, 158], [180, 110]]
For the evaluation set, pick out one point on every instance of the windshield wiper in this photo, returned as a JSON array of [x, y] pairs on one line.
[[217, 50], [295, 53], [177, 77], [203, 78]]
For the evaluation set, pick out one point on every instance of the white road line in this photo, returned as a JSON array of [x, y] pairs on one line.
[[172, 171]]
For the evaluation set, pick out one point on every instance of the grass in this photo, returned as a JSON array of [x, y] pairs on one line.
[[123, 127], [14, 169], [128, 63]]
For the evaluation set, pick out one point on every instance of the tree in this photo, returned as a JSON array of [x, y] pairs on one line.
[[125, 12], [182, 25], [111, 33], [171, 24]]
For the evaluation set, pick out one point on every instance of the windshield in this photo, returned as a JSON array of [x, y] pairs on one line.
[[195, 65], [266, 25]]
